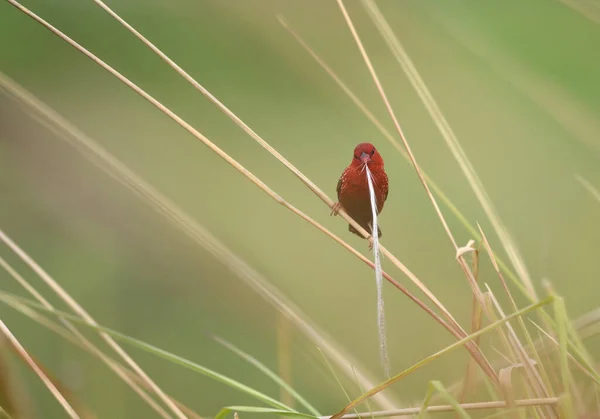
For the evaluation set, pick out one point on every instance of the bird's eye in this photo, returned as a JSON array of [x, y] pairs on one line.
[[373, 151]]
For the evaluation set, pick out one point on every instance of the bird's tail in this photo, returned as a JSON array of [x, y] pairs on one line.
[[367, 227]]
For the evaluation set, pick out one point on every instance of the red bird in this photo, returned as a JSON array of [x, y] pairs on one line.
[[353, 188]]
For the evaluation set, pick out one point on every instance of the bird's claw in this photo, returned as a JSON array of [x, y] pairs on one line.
[[370, 239], [335, 210]]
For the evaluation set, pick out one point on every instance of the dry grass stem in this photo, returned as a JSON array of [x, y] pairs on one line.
[[31, 363], [409, 411], [536, 384], [476, 321]]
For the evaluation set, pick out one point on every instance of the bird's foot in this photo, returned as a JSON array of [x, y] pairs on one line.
[[371, 241], [335, 210]]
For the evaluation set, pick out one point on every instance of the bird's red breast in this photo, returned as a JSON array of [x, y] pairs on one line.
[[353, 188]]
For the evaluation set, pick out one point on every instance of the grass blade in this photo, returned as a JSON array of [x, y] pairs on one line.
[[264, 410], [269, 373]]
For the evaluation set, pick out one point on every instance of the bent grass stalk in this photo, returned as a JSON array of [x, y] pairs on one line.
[[453, 327]]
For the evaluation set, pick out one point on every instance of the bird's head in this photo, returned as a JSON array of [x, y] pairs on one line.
[[366, 153]]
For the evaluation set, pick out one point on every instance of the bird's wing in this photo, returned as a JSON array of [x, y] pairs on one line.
[[339, 186], [387, 188]]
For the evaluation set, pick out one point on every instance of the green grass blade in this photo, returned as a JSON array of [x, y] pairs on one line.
[[426, 401], [437, 386], [268, 372], [560, 313], [264, 410]]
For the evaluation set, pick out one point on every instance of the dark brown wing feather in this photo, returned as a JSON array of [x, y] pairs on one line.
[[338, 188], [387, 188]]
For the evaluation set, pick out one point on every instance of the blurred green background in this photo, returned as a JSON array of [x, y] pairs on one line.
[[517, 81]]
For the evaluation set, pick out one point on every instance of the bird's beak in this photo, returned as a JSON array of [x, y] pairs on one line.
[[365, 158]]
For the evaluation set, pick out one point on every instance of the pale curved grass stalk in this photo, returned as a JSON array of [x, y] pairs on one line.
[[314, 188], [588, 186], [454, 328], [378, 277], [189, 226], [31, 363], [70, 332], [291, 393], [84, 314], [476, 291], [589, 13], [452, 142], [410, 411]]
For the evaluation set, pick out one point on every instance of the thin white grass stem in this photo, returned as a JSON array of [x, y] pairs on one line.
[[409, 411], [378, 277], [452, 142], [487, 368], [84, 314], [313, 187], [189, 226], [580, 366], [47, 382]]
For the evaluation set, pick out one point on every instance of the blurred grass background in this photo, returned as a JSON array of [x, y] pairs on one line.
[[517, 81]]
